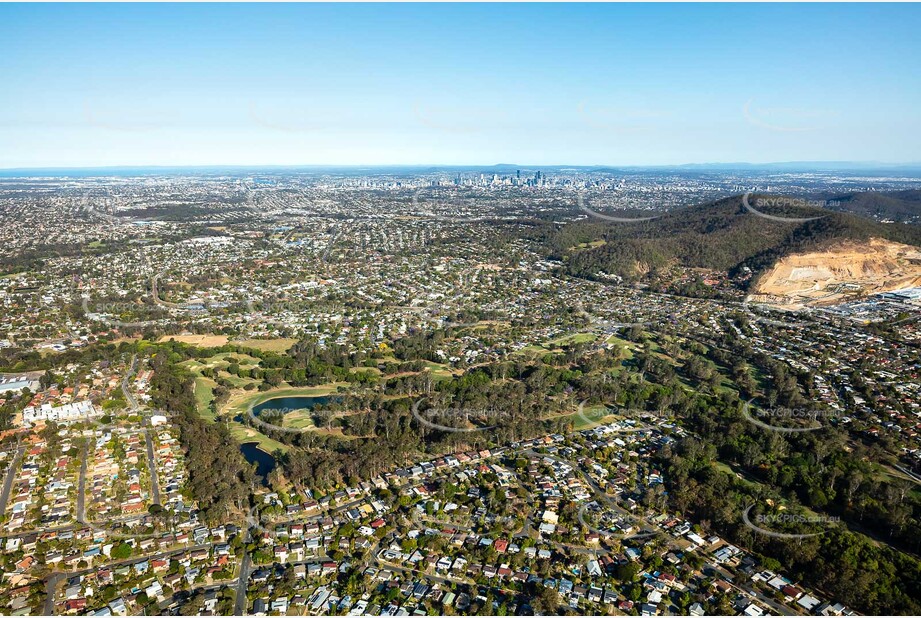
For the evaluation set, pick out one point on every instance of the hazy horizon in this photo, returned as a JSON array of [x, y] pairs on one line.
[[804, 166]]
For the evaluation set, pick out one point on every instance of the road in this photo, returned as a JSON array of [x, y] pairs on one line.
[[777, 608], [8, 482], [51, 583], [240, 604], [152, 464], [246, 566], [132, 402], [129, 396], [109, 523], [81, 489], [599, 492], [424, 574]]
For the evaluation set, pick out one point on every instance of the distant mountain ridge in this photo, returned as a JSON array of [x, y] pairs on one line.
[[913, 168]]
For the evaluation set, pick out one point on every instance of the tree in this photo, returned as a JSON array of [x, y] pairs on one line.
[[121, 551], [546, 602]]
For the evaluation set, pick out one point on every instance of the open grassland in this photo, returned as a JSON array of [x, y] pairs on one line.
[[201, 341], [572, 339], [591, 416], [279, 345]]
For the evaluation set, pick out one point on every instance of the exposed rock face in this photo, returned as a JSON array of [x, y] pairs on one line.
[[841, 272]]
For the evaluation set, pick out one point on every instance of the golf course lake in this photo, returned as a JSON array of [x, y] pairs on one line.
[[265, 463], [290, 404]]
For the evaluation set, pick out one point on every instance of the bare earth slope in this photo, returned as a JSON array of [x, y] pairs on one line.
[[840, 272]]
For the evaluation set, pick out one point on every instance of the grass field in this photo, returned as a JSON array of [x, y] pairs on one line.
[[237, 381], [723, 467], [439, 371], [204, 393], [572, 339], [592, 416], [267, 345], [299, 419], [532, 350], [248, 434], [202, 341], [221, 361], [625, 345]]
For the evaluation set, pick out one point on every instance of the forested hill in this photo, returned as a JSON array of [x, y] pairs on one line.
[[896, 205], [720, 235]]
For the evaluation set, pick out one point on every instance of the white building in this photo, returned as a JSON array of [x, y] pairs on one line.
[[68, 413]]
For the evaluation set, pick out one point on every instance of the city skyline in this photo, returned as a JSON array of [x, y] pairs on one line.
[[538, 85]]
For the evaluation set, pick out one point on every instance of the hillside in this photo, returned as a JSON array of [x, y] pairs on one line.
[[900, 206], [720, 235]]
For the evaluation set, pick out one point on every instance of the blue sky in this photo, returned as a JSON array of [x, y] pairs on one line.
[[92, 85]]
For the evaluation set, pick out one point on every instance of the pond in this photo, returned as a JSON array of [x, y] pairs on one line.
[[265, 463], [289, 404]]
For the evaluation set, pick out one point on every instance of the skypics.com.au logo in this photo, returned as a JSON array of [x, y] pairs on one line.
[[750, 203], [766, 523], [767, 418], [458, 420], [580, 200]]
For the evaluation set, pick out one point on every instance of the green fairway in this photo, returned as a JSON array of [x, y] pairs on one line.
[[298, 419], [204, 393], [248, 434]]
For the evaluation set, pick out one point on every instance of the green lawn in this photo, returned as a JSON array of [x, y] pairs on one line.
[[204, 393], [623, 344], [530, 350], [438, 370], [592, 416], [573, 339], [298, 419], [248, 434], [237, 381], [268, 345]]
